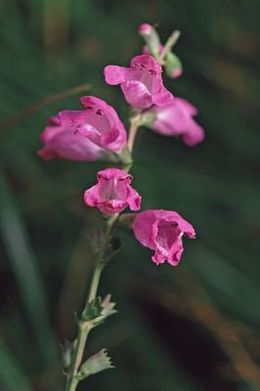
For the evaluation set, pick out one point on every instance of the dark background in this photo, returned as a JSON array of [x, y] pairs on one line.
[[194, 327]]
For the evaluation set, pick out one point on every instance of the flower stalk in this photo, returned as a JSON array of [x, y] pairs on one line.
[[85, 326], [134, 125], [96, 133]]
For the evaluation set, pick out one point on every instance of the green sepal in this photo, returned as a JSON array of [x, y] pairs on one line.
[[98, 310], [97, 363], [92, 310]]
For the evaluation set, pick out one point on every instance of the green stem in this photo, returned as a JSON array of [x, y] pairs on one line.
[[95, 282], [79, 351], [134, 124], [171, 41], [84, 326]]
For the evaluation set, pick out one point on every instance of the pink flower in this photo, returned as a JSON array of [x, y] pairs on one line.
[[83, 134], [61, 141], [113, 192], [141, 83], [176, 119], [162, 231]]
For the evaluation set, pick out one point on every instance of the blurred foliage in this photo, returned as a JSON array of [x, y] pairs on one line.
[[190, 328]]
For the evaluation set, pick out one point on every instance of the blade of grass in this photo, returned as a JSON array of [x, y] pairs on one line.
[[24, 265], [10, 373], [46, 101]]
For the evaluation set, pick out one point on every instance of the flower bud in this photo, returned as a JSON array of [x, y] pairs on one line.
[[151, 38]]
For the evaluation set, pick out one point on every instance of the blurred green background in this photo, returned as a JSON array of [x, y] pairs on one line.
[[195, 327]]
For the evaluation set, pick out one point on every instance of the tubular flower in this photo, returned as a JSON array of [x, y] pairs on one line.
[[141, 83], [61, 141], [176, 119], [113, 192], [83, 134], [162, 231]]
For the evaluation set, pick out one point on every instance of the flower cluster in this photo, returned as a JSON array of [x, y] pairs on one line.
[[96, 133]]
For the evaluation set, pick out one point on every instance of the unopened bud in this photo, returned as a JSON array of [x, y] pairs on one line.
[[151, 38]]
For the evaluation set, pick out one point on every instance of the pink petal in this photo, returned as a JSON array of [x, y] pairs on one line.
[[186, 106], [158, 258], [175, 253], [194, 135], [91, 196], [136, 94], [115, 74], [146, 61], [134, 199], [113, 206], [142, 227], [163, 97]]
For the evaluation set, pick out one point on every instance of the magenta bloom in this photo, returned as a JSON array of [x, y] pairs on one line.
[[61, 141], [141, 83], [83, 134], [162, 231], [113, 192], [176, 119]]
